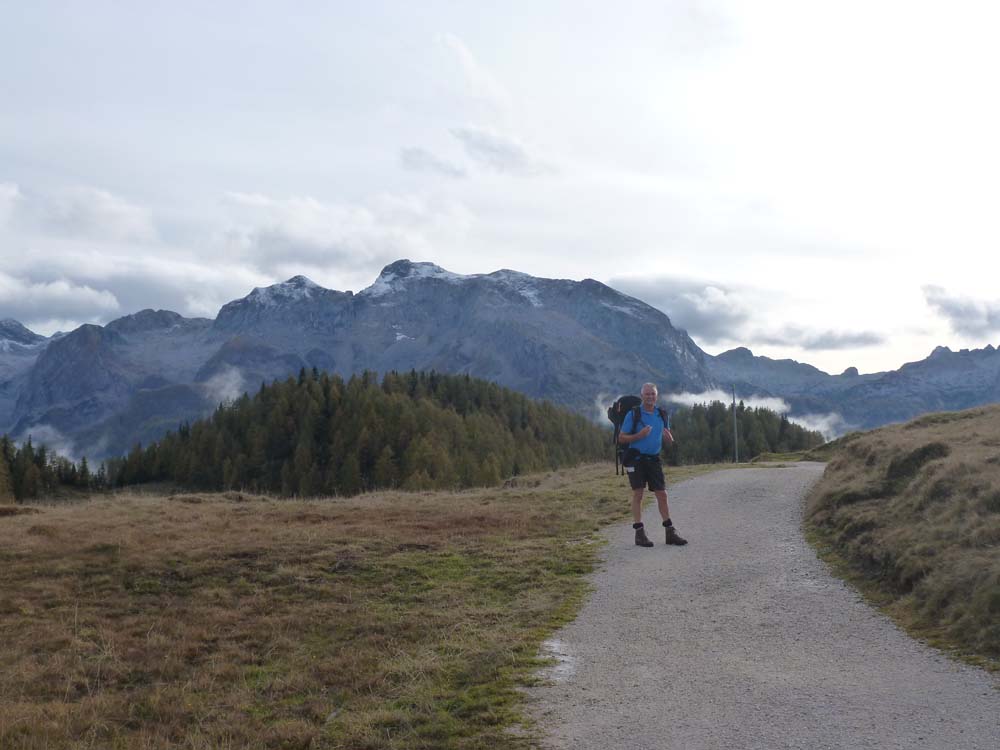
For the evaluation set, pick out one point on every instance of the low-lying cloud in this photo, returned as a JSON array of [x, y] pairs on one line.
[[965, 315], [52, 439], [830, 425], [225, 386], [755, 401], [602, 402]]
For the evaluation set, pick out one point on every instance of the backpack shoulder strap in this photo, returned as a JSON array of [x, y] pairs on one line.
[[637, 416]]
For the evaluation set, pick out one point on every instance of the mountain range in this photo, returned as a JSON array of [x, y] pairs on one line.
[[99, 389]]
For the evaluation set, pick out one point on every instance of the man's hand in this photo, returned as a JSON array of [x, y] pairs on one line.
[[643, 432], [667, 435]]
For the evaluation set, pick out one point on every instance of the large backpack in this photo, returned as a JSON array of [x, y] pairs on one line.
[[617, 413]]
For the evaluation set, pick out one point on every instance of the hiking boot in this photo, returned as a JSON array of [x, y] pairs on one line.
[[674, 538], [641, 539]]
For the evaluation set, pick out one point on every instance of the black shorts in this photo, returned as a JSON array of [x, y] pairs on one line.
[[646, 472]]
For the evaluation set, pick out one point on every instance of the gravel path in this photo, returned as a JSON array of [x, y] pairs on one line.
[[743, 640]]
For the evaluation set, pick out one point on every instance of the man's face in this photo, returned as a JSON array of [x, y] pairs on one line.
[[648, 396]]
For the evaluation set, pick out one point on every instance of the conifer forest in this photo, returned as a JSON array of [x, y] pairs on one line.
[[318, 434]]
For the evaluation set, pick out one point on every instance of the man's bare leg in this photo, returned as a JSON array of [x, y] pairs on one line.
[[637, 505], [661, 503]]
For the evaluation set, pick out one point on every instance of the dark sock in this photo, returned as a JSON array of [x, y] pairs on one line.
[[668, 523], [637, 526]]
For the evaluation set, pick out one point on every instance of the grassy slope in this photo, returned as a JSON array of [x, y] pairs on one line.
[[912, 513], [389, 620]]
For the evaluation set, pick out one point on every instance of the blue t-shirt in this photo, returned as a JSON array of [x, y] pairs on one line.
[[651, 444]]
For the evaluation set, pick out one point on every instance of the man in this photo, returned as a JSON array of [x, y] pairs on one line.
[[646, 435]]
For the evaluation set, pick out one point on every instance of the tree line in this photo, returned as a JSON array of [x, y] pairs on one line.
[[29, 470], [318, 434], [704, 434]]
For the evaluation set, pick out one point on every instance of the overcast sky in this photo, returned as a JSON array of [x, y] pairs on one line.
[[812, 180]]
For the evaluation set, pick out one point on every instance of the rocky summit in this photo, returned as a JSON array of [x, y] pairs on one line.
[[99, 389]]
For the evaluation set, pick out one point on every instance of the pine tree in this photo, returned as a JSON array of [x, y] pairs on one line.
[[6, 481], [386, 475], [83, 478], [349, 476]]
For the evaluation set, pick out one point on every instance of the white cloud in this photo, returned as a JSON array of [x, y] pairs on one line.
[[501, 153], [739, 150], [965, 315], [88, 212], [819, 340], [710, 312], [830, 425], [59, 283], [29, 301], [602, 402], [10, 194], [481, 84], [52, 439], [754, 401], [343, 241], [49, 326], [225, 386], [422, 160]]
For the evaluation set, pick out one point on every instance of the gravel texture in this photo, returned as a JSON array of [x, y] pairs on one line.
[[743, 639]]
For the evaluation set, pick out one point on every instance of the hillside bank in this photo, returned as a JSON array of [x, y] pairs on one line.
[[912, 513]]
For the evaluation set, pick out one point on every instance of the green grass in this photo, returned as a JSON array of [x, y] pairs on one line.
[[389, 620]]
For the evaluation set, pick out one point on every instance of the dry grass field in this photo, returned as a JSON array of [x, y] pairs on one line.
[[388, 620], [912, 513]]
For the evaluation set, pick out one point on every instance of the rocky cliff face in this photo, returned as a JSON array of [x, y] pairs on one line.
[[19, 350]]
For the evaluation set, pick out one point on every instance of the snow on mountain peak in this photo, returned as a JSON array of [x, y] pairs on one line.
[[296, 289], [522, 283], [395, 275], [392, 276]]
